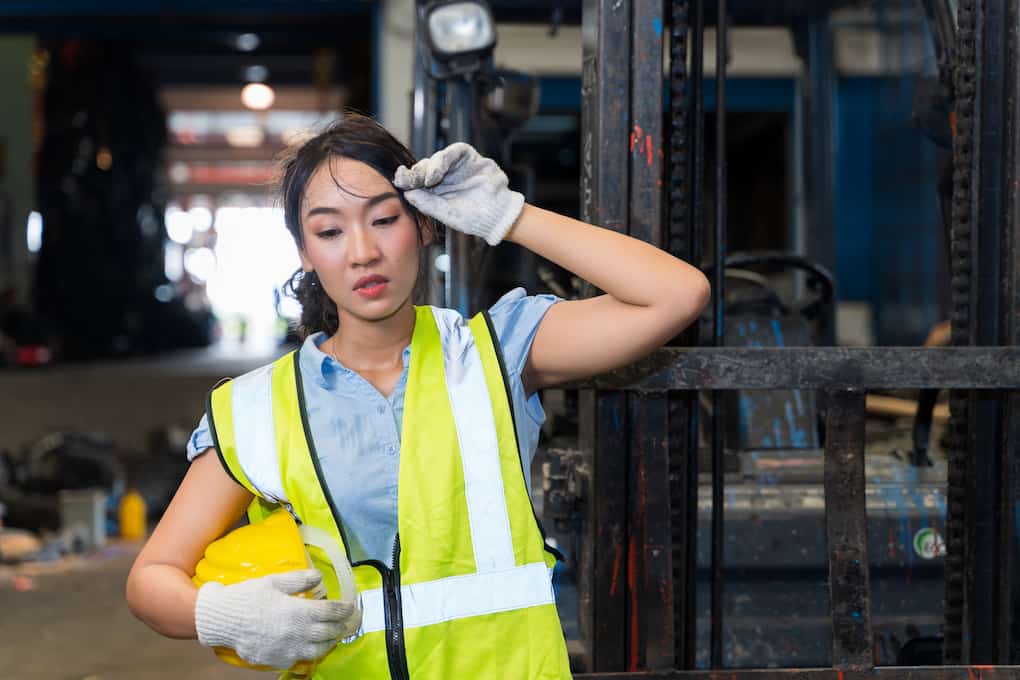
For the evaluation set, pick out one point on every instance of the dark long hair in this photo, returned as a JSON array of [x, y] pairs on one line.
[[358, 138]]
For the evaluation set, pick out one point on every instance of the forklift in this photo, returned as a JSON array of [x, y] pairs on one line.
[[721, 503]]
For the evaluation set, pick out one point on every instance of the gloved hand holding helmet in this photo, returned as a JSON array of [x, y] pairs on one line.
[[463, 190], [265, 625], [257, 603]]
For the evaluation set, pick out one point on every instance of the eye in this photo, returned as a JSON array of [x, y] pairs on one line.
[[332, 232], [386, 221]]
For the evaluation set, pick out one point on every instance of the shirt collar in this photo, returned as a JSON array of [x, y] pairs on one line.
[[322, 365]]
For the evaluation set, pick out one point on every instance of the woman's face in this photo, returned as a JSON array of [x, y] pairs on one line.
[[359, 239]]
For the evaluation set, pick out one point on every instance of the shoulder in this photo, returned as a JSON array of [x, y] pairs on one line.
[[515, 320]]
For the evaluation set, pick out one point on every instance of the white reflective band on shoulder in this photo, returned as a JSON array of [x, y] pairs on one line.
[[459, 597], [479, 446], [254, 436]]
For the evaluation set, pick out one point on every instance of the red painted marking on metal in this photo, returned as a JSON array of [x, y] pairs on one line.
[[632, 664], [635, 137], [648, 148], [616, 572]]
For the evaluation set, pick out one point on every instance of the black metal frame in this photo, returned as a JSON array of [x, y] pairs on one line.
[[630, 417]]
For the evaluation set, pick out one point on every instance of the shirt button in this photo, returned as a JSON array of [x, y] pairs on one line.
[[390, 448], [381, 410]]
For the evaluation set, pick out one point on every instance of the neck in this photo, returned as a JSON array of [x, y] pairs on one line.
[[373, 345]]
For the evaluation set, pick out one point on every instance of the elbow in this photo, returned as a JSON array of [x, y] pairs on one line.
[[133, 592], [701, 295], [690, 301]]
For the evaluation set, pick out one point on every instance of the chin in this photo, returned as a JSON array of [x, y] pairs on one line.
[[377, 310]]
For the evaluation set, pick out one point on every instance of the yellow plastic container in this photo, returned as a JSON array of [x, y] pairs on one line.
[[131, 516], [274, 545]]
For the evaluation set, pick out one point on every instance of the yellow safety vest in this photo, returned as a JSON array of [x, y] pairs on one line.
[[472, 597]]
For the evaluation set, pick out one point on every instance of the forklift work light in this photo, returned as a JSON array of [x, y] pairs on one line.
[[459, 29]]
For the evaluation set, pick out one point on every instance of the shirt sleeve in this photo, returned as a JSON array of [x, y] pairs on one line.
[[200, 439], [515, 319]]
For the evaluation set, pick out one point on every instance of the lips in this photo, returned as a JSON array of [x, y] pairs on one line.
[[368, 281]]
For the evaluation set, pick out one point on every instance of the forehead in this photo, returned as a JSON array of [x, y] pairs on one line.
[[343, 180]]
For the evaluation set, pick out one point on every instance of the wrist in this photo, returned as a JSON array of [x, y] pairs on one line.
[[512, 232], [215, 617]]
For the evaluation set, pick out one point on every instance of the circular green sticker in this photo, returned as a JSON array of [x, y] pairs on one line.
[[929, 544]]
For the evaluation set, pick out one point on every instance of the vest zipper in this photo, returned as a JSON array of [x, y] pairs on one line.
[[396, 654]]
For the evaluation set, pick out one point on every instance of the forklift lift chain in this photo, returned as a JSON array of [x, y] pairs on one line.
[[960, 317], [679, 181], [681, 245]]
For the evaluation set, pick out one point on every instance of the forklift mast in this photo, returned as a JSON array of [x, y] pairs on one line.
[[634, 476]]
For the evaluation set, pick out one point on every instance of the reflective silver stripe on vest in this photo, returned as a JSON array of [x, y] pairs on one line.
[[479, 446], [254, 434], [459, 597]]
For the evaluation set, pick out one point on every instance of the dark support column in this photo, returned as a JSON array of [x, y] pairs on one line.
[[424, 117], [650, 577], [650, 572], [1007, 597], [817, 52], [423, 98], [459, 246], [992, 484], [847, 532], [603, 430], [719, 339]]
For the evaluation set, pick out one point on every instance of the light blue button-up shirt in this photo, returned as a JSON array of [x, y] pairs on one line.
[[357, 430]]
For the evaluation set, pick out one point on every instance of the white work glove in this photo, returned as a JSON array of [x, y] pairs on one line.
[[464, 190], [265, 624]]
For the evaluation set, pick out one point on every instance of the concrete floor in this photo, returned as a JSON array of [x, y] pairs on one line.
[[73, 624]]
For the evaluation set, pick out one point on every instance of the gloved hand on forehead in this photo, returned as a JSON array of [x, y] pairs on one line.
[[464, 190]]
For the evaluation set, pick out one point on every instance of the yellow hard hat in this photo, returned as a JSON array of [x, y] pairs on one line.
[[271, 546]]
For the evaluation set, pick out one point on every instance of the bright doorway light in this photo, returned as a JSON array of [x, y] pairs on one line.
[[201, 218], [255, 256], [178, 225], [200, 263], [33, 232]]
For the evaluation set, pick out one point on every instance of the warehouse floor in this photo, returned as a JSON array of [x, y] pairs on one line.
[[68, 620]]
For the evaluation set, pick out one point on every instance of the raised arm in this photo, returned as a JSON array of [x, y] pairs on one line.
[[650, 296]]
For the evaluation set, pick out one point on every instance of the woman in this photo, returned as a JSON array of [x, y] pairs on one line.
[[383, 396]]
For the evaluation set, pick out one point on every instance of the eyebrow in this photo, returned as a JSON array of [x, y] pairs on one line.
[[374, 200]]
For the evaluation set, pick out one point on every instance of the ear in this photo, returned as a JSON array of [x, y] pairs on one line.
[[306, 266], [428, 230]]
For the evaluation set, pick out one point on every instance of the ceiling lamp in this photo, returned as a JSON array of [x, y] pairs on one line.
[[257, 96]]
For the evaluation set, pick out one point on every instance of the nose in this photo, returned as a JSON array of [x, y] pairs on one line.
[[363, 247]]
